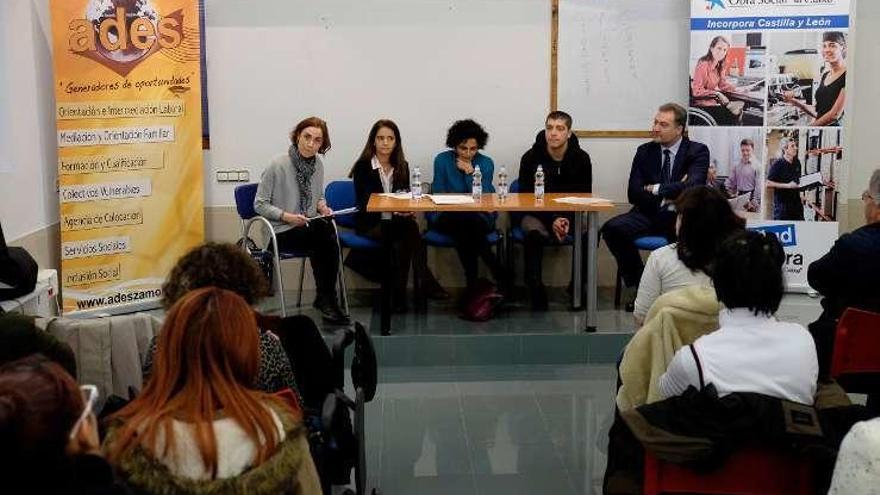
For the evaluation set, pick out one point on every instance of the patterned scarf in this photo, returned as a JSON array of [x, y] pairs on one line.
[[305, 169]]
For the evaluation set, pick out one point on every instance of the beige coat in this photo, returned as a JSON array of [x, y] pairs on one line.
[[676, 319]]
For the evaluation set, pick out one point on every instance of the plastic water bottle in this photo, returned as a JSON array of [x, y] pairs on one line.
[[416, 184], [503, 187], [539, 183], [477, 189]]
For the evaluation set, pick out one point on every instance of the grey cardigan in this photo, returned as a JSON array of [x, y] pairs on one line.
[[278, 191]]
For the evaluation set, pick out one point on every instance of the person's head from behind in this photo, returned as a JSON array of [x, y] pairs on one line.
[[669, 123], [466, 138], [748, 272], [310, 136], [206, 360], [557, 129], [20, 337], [43, 420], [705, 220], [215, 265], [746, 148], [871, 198]]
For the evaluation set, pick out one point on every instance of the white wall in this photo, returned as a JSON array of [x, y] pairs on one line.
[[272, 62], [28, 201]]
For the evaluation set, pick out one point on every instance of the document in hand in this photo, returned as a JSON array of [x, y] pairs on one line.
[[451, 199], [337, 213], [576, 200]]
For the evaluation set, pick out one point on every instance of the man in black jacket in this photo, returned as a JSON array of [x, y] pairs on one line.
[[661, 171], [567, 169], [847, 276]]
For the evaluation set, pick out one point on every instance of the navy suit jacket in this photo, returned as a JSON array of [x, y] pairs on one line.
[[689, 170]]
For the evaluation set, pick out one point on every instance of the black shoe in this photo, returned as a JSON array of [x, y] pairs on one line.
[[330, 311], [630, 307], [435, 292], [539, 298]]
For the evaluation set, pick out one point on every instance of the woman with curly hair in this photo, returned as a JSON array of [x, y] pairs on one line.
[[454, 173], [705, 220], [226, 266], [199, 426]]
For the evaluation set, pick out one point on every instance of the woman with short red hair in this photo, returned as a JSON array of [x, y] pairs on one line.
[[198, 426]]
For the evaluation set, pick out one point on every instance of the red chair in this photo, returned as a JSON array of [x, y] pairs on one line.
[[855, 363], [750, 471]]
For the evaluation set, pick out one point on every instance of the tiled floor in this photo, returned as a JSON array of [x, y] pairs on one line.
[[489, 430]]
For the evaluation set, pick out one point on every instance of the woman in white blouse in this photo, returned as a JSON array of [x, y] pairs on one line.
[[705, 219]]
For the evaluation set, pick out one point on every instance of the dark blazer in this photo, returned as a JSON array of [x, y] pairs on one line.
[[366, 182], [689, 170], [848, 275]]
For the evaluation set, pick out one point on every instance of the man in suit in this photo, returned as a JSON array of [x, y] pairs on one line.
[[847, 277], [661, 170]]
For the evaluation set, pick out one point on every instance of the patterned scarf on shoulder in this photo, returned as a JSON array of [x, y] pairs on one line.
[[305, 169]]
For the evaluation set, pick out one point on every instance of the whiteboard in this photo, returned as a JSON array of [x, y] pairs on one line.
[[618, 60]]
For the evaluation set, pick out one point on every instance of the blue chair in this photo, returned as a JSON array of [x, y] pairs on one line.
[[438, 239], [244, 203], [646, 243], [517, 234], [340, 195]]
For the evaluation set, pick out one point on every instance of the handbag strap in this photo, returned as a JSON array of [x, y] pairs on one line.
[[699, 365]]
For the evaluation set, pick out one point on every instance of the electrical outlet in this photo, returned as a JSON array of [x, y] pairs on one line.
[[244, 176], [222, 176]]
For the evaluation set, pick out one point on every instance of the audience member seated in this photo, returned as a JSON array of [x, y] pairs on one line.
[[291, 192], [198, 426], [858, 462], [661, 171], [848, 276], [226, 266], [382, 168], [48, 433], [704, 221], [751, 351], [567, 169], [19, 337], [454, 173]]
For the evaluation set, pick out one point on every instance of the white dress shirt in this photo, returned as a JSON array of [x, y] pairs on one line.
[[664, 272], [387, 181], [748, 353]]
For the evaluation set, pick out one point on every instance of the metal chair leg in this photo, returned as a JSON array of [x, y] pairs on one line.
[[302, 276]]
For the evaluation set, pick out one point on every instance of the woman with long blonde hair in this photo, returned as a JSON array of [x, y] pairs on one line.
[[199, 426]]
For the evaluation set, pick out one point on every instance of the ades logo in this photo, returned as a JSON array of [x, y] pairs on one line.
[[786, 233], [711, 4], [120, 34]]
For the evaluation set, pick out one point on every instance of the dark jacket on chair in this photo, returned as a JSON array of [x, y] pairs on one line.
[[574, 174], [366, 182], [688, 170]]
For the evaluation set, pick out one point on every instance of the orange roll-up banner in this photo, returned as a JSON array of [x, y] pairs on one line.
[[128, 110]]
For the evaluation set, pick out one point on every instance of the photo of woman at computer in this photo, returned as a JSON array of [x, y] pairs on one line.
[[808, 82], [723, 89]]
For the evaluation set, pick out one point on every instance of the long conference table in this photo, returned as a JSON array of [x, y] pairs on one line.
[[521, 202]]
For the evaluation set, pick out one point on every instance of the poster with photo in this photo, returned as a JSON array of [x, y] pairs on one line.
[[774, 73]]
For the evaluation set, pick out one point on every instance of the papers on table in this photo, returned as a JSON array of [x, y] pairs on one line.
[[577, 200], [397, 195], [451, 199]]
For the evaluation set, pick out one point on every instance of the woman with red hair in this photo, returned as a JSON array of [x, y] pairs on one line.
[[199, 426]]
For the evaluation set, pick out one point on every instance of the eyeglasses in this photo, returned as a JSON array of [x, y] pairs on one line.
[[90, 396]]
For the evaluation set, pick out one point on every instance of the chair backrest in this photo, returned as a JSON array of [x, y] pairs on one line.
[[244, 200], [749, 471], [514, 186], [856, 344], [340, 195]]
